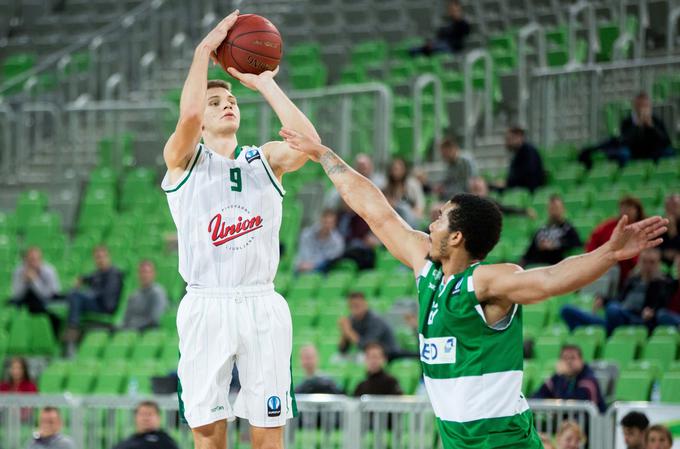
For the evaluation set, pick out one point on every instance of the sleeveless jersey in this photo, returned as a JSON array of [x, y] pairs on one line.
[[472, 371], [228, 215]]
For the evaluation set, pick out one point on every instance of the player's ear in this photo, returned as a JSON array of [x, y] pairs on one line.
[[456, 238]]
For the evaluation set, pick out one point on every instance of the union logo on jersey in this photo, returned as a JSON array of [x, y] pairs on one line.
[[224, 228]]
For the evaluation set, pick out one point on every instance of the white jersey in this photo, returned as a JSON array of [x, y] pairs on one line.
[[228, 215]]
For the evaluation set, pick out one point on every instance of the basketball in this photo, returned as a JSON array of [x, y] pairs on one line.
[[253, 45]]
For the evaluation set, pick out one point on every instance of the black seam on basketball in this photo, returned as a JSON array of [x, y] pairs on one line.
[[252, 52], [252, 32], [231, 54]]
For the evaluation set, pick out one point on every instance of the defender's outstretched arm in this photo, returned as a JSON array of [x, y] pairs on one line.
[[508, 282], [409, 246]]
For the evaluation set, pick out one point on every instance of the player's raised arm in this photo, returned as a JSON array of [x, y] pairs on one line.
[[508, 282], [181, 144], [409, 246], [279, 155]]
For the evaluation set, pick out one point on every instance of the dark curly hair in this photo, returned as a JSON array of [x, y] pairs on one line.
[[479, 220]]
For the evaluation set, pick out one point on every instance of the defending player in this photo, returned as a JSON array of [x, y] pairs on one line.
[[226, 202], [470, 320]]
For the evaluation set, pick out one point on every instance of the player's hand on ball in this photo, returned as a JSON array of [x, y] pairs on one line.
[[215, 37], [303, 144], [628, 240], [251, 81]]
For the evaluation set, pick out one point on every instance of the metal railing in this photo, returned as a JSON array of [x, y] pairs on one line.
[[419, 122], [525, 33], [324, 421], [666, 414], [470, 118], [591, 24], [672, 29], [566, 104]]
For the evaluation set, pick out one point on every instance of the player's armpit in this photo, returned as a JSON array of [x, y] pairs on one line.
[[282, 159], [509, 282]]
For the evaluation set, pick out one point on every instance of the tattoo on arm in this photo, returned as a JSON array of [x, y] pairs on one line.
[[332, 164]]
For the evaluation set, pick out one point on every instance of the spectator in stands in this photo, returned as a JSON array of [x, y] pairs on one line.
[[552, 242], [364, 165], [526, 167], [149, 434], [17, 379], [314, 382], [642, 136], [546, 440], [405, 192], [450, 37], [570, 436], [630, 206], [364, 326], [459, 170], [645, 292], [97, 292], [49, 434], [146, 305], [360, 243], [478, 186], [377, 380], [669, 315], [670, 247], [634, 425], [573, 379], [320, 244], [34, 284], [658, 437]]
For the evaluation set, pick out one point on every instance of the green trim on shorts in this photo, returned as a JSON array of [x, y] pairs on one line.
[[292, 389], [179, 399]]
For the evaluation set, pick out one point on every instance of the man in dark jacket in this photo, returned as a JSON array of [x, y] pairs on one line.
[[365, 326], [451, 36], [97, 292], [643, 133], [552, 242], [149, 434], [526, 167], [377, 380], [643, 294], [573, 379]]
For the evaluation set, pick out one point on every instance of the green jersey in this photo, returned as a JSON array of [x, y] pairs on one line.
[[472, 369]]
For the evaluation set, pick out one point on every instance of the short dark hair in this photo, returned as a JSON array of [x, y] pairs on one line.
[[374, 345], [659, 428], [329, 211], [147, 262], [151, 404], [356, 295], [50, 409], [100, 247], [479, 220], [219, 83], [556, 197], [571, 347], [517, 130], [640, 95], [636, 420], [448, 142], [631, 201]]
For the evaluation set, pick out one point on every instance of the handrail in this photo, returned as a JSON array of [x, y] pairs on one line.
[[420, 84], [82, 43], [672, 28], [527, 31], [643, 24], [625, 64], [620, 45], [470, 120], [593, 39], [7, 116]]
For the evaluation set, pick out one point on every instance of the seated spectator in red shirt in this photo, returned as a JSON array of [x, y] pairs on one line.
[[630, 206], [573, 379], [17, 379]]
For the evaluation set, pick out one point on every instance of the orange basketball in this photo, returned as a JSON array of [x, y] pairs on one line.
[[253, 45]]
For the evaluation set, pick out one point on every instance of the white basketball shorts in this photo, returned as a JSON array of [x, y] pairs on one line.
[[249, 326]]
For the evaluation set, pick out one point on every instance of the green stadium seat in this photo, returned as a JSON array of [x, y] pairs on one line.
[[369, 52], [559, 330], [304, 286], [335, 284], [80, 381], [653, 367], [619, 351], [353, 75], [303, 54], [568, 176], [608, 34], [8, 223], [633, 334], [667, 331], [535, 316], [407, 372], [368, 282], [17, 64], [662, 349], [109, 382], [52, 380], [308, 77], [633, 386], [530, 373], [670, 388], [30, 204], [42, 338], [397, 284], [547, 347], [19, 340]]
